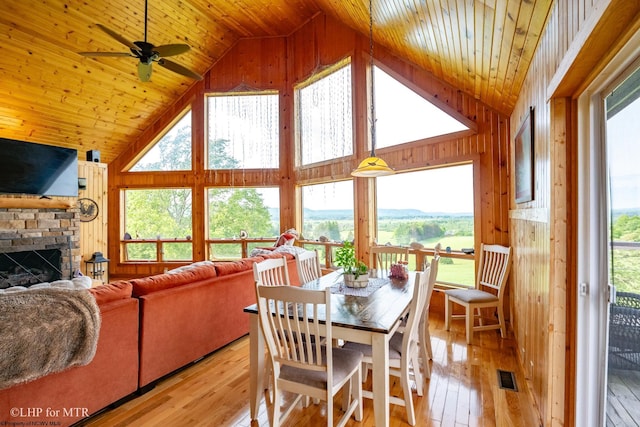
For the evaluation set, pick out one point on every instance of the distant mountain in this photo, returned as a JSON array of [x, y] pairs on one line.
[[334, 214], [629, 212]]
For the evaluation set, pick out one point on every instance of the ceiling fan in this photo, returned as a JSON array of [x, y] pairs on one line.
[[147, 53]]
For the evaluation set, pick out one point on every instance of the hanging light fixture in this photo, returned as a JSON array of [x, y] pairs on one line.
[[372, 166]]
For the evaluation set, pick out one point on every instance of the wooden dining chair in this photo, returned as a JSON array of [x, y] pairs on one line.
[[271, 272], [308, 265], [404, 348], [306, 367], [491, 281], [381, 257], [426, 353]]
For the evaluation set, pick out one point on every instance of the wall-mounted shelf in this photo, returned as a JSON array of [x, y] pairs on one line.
[[33, 203]]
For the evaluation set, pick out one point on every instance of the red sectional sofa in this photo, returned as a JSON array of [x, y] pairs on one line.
[[150, 327], [186, 316], [66, 397]]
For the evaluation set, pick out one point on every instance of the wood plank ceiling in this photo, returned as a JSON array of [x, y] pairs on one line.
[[51, 94]]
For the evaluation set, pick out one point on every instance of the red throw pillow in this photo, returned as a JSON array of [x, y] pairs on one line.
[[285, 239]]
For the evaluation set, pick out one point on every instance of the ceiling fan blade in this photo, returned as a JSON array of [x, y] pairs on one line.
[[118, 37], [171, 49], [177, 68], [105, 54]]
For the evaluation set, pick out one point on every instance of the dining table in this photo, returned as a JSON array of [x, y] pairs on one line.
[[368, 315]]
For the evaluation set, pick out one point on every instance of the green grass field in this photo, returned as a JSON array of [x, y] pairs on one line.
[[459, 271]]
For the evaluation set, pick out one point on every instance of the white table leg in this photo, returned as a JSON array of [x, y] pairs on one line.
[[256, 363], [380, 350]]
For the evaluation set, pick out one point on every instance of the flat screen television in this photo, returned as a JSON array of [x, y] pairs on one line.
[[46, 170]]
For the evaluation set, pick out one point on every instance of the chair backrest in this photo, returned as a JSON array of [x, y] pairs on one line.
[[288, 318], [381, 257], [271, 272], [493, 269], [308, 265], [417, 308], [433, 275]]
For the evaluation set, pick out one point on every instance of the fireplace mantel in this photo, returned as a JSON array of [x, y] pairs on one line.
[[34, 203]]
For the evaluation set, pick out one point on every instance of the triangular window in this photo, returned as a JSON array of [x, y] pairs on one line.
[[172, 152], [404, 116]]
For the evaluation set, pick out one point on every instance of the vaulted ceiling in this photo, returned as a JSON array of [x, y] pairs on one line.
[[49, 93]]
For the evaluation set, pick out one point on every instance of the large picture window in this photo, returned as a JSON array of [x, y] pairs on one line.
[[443, 213], [327, 211], [250, 212], [158, 214], [325, 117], [243, 131], [255, 211]]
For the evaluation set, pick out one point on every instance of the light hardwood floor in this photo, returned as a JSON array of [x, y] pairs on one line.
[[463, 390]]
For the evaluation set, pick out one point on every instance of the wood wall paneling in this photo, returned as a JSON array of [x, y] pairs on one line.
[[93, 234], [578, 39]]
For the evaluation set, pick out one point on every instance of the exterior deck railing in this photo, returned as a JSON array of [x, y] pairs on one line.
[[236, 248], [624, 332]]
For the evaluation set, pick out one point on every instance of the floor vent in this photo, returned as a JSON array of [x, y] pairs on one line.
[[507, 380]]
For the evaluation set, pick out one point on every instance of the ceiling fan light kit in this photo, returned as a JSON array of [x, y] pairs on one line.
[[147, 53], [144, 71]]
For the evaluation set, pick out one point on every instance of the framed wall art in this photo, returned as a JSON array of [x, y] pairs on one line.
[[524, 150]]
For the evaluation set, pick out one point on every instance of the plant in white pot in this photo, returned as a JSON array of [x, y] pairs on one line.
[[354, 271]]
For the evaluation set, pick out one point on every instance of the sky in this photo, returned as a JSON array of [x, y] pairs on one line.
[[448, 189], [623, 144]]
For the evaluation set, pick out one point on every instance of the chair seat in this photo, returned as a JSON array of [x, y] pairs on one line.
[[345, 361], [395, 347], [471, 295]]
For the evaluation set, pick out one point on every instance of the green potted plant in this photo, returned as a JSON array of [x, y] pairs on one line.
[[355, 272]]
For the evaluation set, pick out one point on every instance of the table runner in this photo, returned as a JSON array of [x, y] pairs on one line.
[[374, 285]]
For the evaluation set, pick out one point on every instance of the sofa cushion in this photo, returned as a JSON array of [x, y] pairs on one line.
[[147, 285], [111, 292], [224, 268]]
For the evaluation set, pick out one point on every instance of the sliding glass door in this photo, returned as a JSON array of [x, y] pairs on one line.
[[622, 112], [608, 246]]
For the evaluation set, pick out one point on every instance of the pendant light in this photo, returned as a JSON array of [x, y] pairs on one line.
[[372, 166]]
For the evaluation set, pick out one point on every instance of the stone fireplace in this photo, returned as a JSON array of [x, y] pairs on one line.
[[38, 245]]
